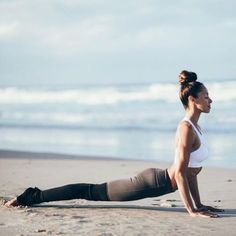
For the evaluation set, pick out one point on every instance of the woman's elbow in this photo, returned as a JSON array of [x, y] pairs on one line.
[[179, 175]]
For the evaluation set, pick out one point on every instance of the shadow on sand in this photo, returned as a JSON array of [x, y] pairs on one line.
[[225, 213]]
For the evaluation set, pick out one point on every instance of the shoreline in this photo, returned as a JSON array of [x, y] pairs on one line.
[[19, 154], [32, 155], [163, 215]]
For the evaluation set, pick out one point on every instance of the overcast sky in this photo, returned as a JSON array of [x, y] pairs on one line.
[[108, 41]]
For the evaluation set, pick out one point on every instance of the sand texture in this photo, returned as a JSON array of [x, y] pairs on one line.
[[164, 215]]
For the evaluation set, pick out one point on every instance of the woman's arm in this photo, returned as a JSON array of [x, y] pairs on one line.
[[185, 144], [193, 185]]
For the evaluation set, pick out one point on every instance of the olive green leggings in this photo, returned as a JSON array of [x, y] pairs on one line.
[[151, 182]]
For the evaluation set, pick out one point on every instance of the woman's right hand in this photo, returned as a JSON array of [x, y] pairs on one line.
[[205, 214]]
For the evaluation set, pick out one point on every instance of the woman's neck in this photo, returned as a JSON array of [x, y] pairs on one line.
[[193, 116]]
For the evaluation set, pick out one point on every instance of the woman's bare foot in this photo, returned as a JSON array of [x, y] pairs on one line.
[[12, 203]]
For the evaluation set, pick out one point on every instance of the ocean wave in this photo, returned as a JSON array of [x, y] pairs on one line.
[[146, 122], [223, 91], [93, 96], [92, 119], [219, 91]]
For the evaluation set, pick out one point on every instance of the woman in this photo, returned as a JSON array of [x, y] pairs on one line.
[[191, 150]]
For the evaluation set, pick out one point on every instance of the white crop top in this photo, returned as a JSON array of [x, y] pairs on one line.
[[199, 155]]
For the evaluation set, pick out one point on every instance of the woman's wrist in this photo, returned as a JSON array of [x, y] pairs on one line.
[[191, 210], [199, 205]]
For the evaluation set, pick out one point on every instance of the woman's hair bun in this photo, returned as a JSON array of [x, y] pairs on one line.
[[186, 77]]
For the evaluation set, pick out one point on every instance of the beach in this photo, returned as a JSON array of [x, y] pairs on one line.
[[163, 215], [96, 91]]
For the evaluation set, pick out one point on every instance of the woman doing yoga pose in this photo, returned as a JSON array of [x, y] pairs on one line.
[[191, 150]]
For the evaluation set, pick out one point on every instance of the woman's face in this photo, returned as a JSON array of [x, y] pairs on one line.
[[203, 101]]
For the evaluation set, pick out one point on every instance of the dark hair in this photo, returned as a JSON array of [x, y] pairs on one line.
[[189, 86]]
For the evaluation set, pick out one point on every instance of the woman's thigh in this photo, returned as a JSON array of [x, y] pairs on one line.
[[140, 186]]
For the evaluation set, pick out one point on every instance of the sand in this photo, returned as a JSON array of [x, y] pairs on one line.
[[163, 215]]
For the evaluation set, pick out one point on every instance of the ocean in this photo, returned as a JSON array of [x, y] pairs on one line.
[[131, 121]]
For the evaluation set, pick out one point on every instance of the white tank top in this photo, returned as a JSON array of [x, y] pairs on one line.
[[199, 155]]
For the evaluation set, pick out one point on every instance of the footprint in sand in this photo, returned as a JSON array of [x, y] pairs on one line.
[[78, 217], [168, 204], [165, 202]]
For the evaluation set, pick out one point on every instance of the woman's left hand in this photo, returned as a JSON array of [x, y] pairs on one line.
[[209, 208]]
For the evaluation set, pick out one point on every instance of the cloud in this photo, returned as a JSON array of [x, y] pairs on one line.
[[84, 36], [155, 34], [9, 31]]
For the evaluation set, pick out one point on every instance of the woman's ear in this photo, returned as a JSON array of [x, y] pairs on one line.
[[191, 99]]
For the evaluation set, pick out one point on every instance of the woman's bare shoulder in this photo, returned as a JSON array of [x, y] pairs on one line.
[[185, 129], [185, 125]]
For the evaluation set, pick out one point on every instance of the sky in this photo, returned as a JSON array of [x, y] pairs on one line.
[[115, 42]]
